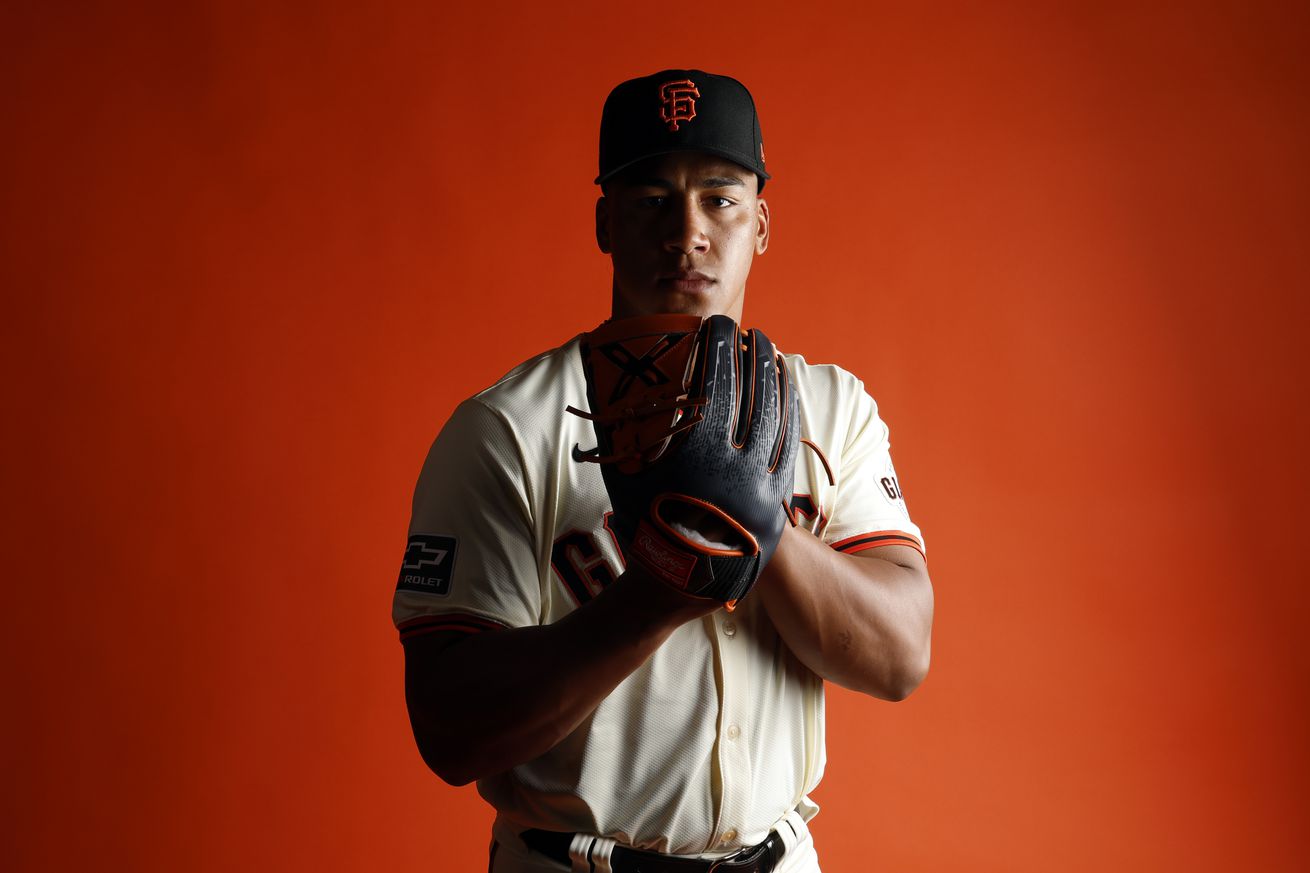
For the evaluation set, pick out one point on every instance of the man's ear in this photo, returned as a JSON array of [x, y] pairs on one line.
[[761, 227], [602, 224]]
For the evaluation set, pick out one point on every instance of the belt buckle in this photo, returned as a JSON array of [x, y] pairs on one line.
[[718, 862], [728, 861]]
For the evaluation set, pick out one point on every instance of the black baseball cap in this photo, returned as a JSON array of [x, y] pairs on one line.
[[680, 111]]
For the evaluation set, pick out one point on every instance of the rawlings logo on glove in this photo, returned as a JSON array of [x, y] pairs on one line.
[[697, 430]]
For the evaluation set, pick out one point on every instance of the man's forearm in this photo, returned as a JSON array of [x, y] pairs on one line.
[[862, 622], [484, 703]]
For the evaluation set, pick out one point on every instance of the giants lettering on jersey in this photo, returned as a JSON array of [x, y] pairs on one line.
[[808, 514], [891, 489], [579, 563]]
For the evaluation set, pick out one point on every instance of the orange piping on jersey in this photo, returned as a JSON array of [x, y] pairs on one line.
[[860, 542], [455, 621], [823, 458]]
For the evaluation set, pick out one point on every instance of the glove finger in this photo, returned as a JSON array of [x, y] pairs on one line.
[[717, 375], [789, 429], [765, 413]]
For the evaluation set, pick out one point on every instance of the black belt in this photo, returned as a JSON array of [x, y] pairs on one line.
[[752, 859]]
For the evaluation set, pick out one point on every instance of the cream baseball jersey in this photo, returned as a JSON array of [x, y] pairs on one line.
[[721, 732]]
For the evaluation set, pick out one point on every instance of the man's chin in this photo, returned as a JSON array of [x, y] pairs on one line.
[[671, 303]]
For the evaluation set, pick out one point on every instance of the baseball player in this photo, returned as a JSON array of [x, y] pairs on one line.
[[615, 717]]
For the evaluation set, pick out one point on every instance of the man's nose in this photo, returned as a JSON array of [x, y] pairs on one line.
[[685, 231]]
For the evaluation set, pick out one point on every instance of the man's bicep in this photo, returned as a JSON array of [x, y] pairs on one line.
[[423, 660], [426, 662], [906, 557]]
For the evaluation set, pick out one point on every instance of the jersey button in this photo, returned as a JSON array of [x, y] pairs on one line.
[[729, 835], [729, 629], [733, 732]]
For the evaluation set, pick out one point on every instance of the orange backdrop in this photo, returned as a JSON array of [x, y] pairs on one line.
[[253, 255]]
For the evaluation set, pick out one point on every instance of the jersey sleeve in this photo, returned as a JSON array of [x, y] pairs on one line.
[[470, 559], [868, 509]]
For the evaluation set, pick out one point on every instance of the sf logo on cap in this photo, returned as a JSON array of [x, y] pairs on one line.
[[678, 102]]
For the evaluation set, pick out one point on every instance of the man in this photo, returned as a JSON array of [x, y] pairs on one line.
[[613, 721]]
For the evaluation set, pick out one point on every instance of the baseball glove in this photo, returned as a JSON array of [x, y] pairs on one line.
[[696, 424]]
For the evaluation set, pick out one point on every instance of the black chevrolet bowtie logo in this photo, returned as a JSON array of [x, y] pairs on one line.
[[428, 564]]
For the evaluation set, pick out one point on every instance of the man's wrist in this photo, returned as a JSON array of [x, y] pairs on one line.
[[657, 600]]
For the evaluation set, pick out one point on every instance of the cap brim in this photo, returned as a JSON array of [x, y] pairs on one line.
[[735, 157]]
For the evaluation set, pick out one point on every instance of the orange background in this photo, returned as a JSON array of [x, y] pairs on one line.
[[254, 256]]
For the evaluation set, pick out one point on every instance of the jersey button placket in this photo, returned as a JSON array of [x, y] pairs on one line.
[[734, 754]]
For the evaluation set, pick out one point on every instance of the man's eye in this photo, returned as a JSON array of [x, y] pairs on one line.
[[652, 202], [720, 202]]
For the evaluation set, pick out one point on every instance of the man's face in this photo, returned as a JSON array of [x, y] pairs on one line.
[[682, 230]]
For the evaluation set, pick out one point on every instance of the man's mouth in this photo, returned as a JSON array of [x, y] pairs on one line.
[[686, 281]]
